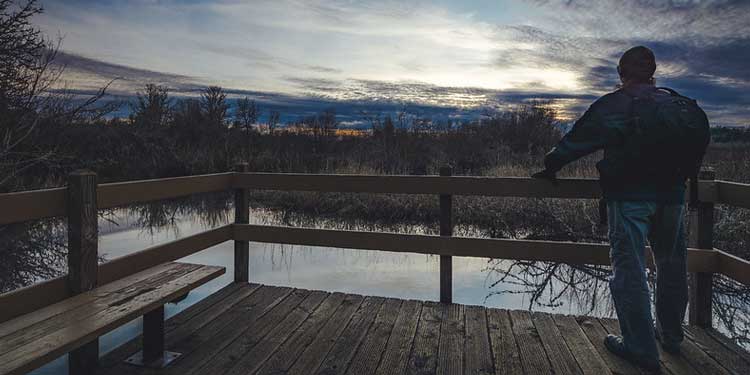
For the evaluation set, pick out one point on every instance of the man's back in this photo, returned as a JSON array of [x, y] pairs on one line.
[[607, 125]]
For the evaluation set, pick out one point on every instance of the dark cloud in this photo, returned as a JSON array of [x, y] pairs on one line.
[[726, 58], [322, 69], [77, 63], [702, 47], [258, 58], [91, 74], [314, 84]]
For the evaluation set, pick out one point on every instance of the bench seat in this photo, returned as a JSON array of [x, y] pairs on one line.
[[32, 340]]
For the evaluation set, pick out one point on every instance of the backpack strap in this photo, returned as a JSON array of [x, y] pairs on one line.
[[675, 93], [671, 91]]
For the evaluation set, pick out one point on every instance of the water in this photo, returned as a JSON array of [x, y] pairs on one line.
[[378, 273]]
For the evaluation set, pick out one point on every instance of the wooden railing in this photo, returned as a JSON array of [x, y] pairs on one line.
[[703, 260]]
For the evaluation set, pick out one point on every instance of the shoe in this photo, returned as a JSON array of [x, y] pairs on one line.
[[669, 347], [616, 345]]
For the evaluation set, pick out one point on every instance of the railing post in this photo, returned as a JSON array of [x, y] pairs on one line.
[[83, 256], [701, 236], [241, 216], [446, 229]]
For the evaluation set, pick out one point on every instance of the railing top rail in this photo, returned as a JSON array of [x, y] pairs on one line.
[[122, 193], [400, 184], [733, 193], [36, 204]]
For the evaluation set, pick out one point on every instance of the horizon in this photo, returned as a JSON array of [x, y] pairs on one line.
[[448, 58]]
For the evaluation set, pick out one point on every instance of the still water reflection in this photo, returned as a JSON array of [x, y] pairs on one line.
[[477, 281]]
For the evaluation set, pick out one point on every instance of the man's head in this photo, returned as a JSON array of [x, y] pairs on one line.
[[637, 65]]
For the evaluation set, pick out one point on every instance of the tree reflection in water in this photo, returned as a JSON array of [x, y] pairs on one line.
[[582, 288], [36, 251], [31, 252]]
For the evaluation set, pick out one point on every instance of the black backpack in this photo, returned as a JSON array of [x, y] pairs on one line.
[[667, 137]]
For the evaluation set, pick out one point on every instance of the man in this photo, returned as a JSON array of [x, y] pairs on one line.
[[647, 158]]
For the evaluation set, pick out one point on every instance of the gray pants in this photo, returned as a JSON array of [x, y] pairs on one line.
[[631, 225]]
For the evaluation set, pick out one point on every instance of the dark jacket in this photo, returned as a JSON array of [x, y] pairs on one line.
[[604, 126]]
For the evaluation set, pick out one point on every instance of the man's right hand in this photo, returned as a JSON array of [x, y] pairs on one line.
[[546, 175]]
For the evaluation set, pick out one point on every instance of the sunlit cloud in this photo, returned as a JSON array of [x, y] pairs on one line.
[[458, 54]]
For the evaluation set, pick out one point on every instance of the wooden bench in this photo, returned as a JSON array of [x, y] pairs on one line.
[[34, 339]]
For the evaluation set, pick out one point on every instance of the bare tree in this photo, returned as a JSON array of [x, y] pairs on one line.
[[26, 56], [27, 76], [187, 118], [273, 120], [247, 117], [214, 104], [388, 127], [152, 108], [247, 113], [373, 119], [29, 105], [327, 121]]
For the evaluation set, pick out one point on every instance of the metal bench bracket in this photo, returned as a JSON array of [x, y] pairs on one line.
[[167, 358]]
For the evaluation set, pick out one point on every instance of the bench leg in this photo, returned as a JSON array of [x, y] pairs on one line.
[[153, 335], [153, 354], [85, 359]]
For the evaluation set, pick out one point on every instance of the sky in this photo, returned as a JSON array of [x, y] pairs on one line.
[[456, 57]]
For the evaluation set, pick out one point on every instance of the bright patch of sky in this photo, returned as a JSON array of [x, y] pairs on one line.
[[453, 53]]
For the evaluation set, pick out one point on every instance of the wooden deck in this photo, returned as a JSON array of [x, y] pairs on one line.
[[255, 329]]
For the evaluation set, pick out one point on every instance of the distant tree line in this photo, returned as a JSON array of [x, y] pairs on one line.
[[731, 135]]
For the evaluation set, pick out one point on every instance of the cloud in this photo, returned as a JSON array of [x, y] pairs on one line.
[[702, 47], [460, 54], [322, 69], [89, 75], [82, 64]]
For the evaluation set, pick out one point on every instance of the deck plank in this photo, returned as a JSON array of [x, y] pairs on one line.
[[199, 343], [701, 361], [396, 354], [200, 314], [284, 357], [675, 364], [178, 327], [507, 358], [533, 356], [287, 331], [729, 359], [313, 355], [252, 360], [231, 343], [478, 353], [589, 360], [728, 343], [368, 356], [201, 306], [423, 359], [596, 334], [557, 350], [346, 345], [452, 336]]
